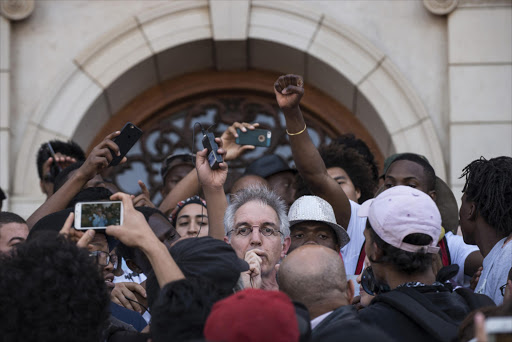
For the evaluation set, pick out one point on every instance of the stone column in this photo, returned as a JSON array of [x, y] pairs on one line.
[[480, 74], [10, 10]]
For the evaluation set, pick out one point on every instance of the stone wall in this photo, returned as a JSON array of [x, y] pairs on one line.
[[456, 67]]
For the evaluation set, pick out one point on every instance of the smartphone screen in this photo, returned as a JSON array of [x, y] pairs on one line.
[[98, 215]]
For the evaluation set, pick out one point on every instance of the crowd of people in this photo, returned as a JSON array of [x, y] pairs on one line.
[[335, 249]]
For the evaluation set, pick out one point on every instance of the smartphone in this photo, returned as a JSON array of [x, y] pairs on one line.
[[98, 215], [130, 134], [256, 137], [55, 169], [499, 329]]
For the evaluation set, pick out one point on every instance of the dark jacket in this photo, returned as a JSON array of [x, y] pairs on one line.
[[422, 314], [341, 314]]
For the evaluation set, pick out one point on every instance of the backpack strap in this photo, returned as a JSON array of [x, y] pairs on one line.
[[419, 309]]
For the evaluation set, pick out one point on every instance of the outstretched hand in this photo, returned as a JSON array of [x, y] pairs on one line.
[[208, 177], [233, 150], [135, 231], [289, 90], [100, 157]]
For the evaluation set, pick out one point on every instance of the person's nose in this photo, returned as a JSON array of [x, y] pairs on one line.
[[256, 236], [358, 279], [110, 267], [193, 229]]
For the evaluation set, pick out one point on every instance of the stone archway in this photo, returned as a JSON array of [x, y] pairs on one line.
[[181, 37]]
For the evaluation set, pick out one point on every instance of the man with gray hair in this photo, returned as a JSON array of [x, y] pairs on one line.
[[256, 226]]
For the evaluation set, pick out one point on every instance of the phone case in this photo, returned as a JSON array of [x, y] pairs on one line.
[[130, 134], [257, 137]]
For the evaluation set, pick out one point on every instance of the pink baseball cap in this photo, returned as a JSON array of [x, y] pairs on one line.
[[400, 211]]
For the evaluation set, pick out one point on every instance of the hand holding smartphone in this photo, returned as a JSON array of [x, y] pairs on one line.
[[130, 134], [98, 215]]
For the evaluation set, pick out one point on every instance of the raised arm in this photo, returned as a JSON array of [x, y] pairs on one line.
[[135, 232], [289, 91], [212, 182], [98, 159], [189, 186]]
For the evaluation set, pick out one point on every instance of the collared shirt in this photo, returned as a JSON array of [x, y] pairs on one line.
[[319, 319]]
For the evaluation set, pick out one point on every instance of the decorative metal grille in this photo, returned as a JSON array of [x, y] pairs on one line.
[[171, 131]]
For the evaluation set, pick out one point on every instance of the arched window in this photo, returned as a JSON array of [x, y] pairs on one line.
[[167, 114]]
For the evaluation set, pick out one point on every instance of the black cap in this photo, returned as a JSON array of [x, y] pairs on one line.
[[268, 165], [209, 258], [176, 159]]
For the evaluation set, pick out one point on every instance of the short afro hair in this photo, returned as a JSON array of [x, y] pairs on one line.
[[51, 290], [354, 164], [8, 217], [430, 174], [489, 186]]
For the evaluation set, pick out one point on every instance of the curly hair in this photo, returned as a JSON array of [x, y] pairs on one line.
[[489, 186], [181, 310], [354, 164], [403, 261], [51, 290], [350, 141]]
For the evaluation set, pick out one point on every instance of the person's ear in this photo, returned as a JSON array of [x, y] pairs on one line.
[[358, 193], [226, 240], [43, 188], [376, 253], [286, 245], [432, 194], [350, 291], [472, 211]]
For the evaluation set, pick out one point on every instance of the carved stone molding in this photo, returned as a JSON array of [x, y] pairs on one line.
[[440, 7], [17, 9]]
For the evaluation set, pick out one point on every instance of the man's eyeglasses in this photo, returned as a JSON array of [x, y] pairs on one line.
[[103, 258], [502, 289], [264, 230]]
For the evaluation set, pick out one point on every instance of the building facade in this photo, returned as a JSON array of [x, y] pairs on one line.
[[432, 77]]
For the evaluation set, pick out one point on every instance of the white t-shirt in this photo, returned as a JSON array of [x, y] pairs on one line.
[[459, 251], [496, 265], [350, 252], [130, 276]]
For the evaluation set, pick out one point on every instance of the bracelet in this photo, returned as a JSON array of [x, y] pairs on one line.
[[302, 131]]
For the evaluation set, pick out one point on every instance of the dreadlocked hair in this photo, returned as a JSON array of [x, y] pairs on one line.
[[354, 164], [489, 186]]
